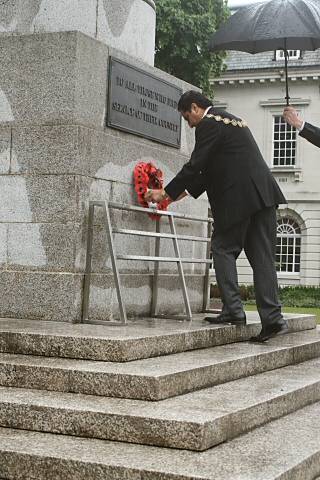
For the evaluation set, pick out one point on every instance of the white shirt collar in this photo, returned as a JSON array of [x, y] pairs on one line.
[[206, 111]]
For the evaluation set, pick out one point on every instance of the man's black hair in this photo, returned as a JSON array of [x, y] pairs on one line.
[[190, 97]]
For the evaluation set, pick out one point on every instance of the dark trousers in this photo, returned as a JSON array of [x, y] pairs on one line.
[[257, 237]]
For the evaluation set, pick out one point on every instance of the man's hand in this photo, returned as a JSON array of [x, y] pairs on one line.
[[155, 196], [291, 116]]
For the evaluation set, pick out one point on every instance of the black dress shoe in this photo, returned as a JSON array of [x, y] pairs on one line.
[[224, 318], [275, 329]]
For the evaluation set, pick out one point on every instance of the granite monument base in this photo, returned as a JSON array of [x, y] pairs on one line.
[[56, 154]]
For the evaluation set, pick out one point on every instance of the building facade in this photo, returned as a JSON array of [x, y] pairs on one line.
[[253, 87]]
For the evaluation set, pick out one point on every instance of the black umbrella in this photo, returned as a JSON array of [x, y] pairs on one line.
[[274, 25]]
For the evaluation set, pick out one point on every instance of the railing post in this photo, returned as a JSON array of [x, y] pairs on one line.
[[155, 280], [206, 286], [122, 308], [180, 269], [87, 274]]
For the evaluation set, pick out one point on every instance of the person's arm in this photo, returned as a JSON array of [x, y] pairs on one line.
[[158, 196], [311, 133], [207, 140], [181, 196], [306, 130]]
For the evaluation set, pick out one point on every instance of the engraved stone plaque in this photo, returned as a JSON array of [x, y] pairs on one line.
[[143, 104]]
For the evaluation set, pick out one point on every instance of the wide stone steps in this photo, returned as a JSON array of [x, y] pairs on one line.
[[160, 377], [227, 408], [194, 421], [142, 338], [286, 449]]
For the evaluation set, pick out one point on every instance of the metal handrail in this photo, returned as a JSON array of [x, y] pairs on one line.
[[134, 208], [148, 258], [156, 258], [161, 235]]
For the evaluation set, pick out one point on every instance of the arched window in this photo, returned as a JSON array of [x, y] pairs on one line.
[[288, 252]]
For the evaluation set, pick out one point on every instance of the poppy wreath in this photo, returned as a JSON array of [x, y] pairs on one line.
[[146, 176]]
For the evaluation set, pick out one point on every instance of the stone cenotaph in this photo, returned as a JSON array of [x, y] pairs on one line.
[[58, 151]]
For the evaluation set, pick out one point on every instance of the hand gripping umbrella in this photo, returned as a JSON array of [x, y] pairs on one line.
[[274, 25]]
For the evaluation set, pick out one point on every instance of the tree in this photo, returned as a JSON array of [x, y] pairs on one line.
[[183, 31]]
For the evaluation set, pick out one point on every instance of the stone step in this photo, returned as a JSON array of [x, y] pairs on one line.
[[287, 448], [142, 338], [194, 421], [160, 377]]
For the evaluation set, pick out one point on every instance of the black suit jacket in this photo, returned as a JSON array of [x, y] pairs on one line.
[[228, 165], [311, 133]]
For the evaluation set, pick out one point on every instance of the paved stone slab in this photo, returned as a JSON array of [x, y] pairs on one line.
[[195, 421], [160, 377], [142, 338], [286, 449]]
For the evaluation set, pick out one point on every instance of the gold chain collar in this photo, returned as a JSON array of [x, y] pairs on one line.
[[228, 121]]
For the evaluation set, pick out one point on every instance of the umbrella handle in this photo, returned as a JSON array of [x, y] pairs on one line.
[[286, 70]]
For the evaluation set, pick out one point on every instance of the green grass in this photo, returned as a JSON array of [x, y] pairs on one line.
[[310, 311]]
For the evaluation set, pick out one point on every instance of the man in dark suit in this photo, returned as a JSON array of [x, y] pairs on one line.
[[306, 130], [243, 195]]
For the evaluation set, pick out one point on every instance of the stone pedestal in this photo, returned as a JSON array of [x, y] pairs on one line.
[[55, 154], [128, 25]]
